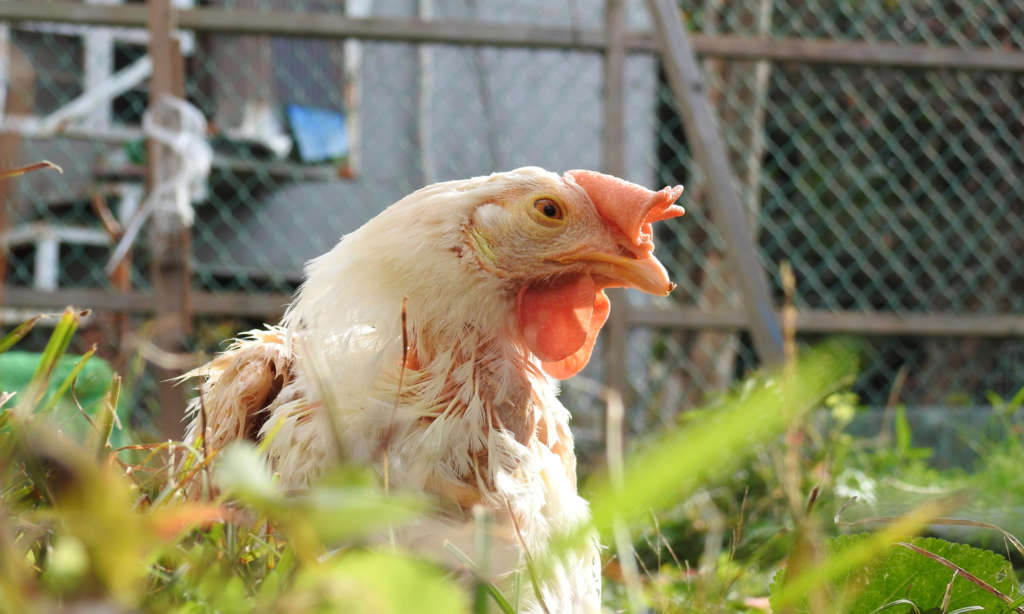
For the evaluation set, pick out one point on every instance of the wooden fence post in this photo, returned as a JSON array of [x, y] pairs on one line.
[[169, 239], [20, 99], [690, 91], [613, 159]]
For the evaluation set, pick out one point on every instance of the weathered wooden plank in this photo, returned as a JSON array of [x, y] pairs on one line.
[[850, 322], [19, 97], [727, 212], [613, 136], [98, 300], [314, 25], [208, 19], [687, 318], [269, 307], [391, 29], [916, 324], [860, 53], [170, 242], [75, 13], [265, 306], [613, 155]]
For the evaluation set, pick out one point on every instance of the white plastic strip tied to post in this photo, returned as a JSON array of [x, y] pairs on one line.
[[173, 196]]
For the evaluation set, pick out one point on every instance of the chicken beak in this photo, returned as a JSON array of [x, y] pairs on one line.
[[646, 274]]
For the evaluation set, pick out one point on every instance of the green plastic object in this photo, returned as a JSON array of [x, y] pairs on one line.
[[16, 369]]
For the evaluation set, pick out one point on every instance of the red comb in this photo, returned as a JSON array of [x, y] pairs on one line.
[[629, 207]]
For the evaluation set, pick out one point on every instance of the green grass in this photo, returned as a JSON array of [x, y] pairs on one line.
[[704, 517]]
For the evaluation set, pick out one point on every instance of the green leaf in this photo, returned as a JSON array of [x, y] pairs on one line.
[[277, 580], [793, 585], [66, 564], [376, 583], [331, 509], [339, 513], [903, 574], [241, 471]]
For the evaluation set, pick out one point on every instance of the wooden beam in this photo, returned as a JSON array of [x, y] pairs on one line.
[[169, 239], [613, 136], [20, 98], [97, 300], [391, 29], [613, 158], [727, 210], [859, 53], [267, 306], [848, 322], [270, 307], [939, 325], [313, 25], [277, 23], [687, 318], [74, 12]]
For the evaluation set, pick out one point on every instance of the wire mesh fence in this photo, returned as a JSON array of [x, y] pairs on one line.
[[888, 189]]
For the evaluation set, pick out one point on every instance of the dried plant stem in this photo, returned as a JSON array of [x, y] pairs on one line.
[[204, 425], [961, 522], [28, 168], [530, 567]]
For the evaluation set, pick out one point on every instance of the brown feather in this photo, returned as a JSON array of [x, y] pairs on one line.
[[238, 385]]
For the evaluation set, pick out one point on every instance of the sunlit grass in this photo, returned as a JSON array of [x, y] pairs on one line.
[[85, 523]]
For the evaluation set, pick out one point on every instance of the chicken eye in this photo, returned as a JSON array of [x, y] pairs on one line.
[[548, 208]]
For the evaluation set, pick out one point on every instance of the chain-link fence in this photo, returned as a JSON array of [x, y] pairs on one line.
[[890, 190]]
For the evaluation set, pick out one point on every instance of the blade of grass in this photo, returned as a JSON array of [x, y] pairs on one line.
[[674, 467], [710, 446], [531, 566], [481, 547], [69, 380], [52, 353], [107, 414], [949, 593], [495, 594], [1017, 401], [498, 598], [18, 333]]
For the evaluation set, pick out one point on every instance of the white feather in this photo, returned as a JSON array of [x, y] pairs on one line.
[[441, 432]]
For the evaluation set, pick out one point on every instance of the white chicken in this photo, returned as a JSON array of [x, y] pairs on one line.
[[430, 337]]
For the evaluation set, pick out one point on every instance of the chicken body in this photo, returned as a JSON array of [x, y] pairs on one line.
[[428, 339]]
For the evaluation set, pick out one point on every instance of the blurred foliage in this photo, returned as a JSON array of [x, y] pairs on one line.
[[902, 580], [716, 550], [750, 492]]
